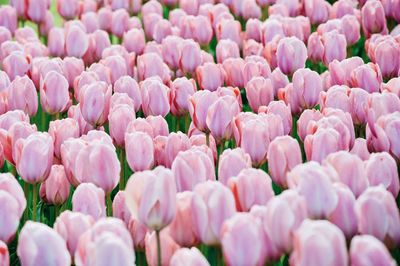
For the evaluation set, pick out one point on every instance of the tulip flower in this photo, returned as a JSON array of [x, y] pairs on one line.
[[185, 255], [10, 211], [139, 143], [40, 244], [180, 91], [167, 244], [291, 54], [128, 85], [231, 162], [89, 199], [55, 190], [367, 249], [4, 254]]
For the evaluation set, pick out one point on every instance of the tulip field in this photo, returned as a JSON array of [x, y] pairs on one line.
[[199, 132]]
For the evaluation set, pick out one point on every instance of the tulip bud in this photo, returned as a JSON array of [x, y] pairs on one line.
[[10, 211], [54, 94], [226, 49], [231, 162], [155, 97], [55, 190], [210, 76], [190, 57], [190, 256], [76, 42], [334, 47], [291, 54], [89, 199], [139, 143], [373, 18], [367, 249], [168, 248], [50, 247], [367, 77], [181, 90]]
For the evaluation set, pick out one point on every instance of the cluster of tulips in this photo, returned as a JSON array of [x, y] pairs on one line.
[[199, 132]]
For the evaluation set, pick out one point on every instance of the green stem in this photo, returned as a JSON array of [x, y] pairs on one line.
[[34, 201], [158, 248], [109, 204], [208, 139], [177, 120], [187, 122], [122, 162], [57, 209], [43, 120], [26, 191]]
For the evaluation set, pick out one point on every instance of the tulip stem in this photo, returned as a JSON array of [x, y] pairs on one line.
[[158, 248], [187, 122], [34, 202], [26, 190], [177, 120], [109, 205], [122, 162], [208, 139]]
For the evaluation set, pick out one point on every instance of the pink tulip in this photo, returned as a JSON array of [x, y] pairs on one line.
[[139, 143], [283, 155], [315, 47], [366, 250], [386, 55], [234, 72], [220, 115], [241, 241], [8, 183], [54, 94], [171, 52], [320, 144], [250, 9], [226, 49], [159, 191], [360, 149], [251, 47], [94, 102], [317, 10], [291, 54], [373, 18], [392, 85], [181, 89], [380, 168], [190, 57], [317, 242], [334, 46], [151, 64], [168, 248], [36, 10], [246, 183], [134, 41], [36, 150], [68, 9], [10, 211], [40, 244], [190, 256], [210, 76], [154, 97], [107, 239], [181, 228], [117, 66], [229, 29], [341, 72], [199, 103], [16, 64], [89, 199], [192, 167], [5, 256], [380, 104], [259, 92], [70, 226], [76, 41], [72, 68], [55, 190], [162, 29], [119, 118], [119, 22], [253, 30], [98, 163], [130, 86], [231, 162], [378, 215], [367, 77]]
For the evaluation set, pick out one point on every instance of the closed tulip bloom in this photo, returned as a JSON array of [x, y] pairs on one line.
[[10, 211], [320, 144], [240, 237], [314, 183], [54, 94], [212, 203], [119, 118], [190, 57], [220, 115], [336, 97], [259, 92], [120, 20], [107, 238], [36, 10], [231, 162], [181, 228], [8, 18], [190, 256], [360, 149], [226, 49], [55, 190], [317, 11], [181, 89], [199, 103], [69, 150], [171, 52], [34, 157], [72, 68], [154, 97], [315, 47], [94, 102], [210, 76], [378, 215], [317, 242], [151, 64], [251, 187], [158, 205], [380, 169], [291, 54], [134, 41], [16, 64], [381, 104], [234, 72], [373, 18], [98, 163], [5, 256], [8, 183], [128, 85], [253, 30], [283, 155], [40, 244], [168, 248], [70, 226], [392, 85], [341, 72], [68, 9], [344, 216], [192, 167], [386, 54], [117, 66], [139, 143], [229, 29], [367, 77], [76, 42], [368, 250], [89, 199], [334, 47]]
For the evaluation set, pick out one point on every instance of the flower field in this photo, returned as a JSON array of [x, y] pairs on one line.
[[199, 132]]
